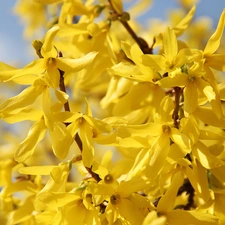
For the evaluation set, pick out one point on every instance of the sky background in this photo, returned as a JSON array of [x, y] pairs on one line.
[[13, 48]]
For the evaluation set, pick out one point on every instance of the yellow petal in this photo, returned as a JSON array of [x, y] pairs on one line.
[[126, 188], [167, 201], [52, 74], [107, 139], [190, 98], [87, 145], [199, 179], [181, 140], [190, 128], [214, 41], [131, 72], [36, 170], [208, 116], [88, 108], [209, 135], [176, 81], [48, 50], [46, 104], [74, 65], [53, 200], [25, 114], [219, 173], [184, 23], [166, 109], [35, 135], [61, 96], [121, 167], [132, 142], [178, 217], [143, 130], [23, 214], [72, 212], [140, 163], [159, 152], [216, 62], [20, 101], [156, 62], [29, 72], [117, 5], [206, 89], [45, 217], [67, 117], [61, 140], [97, 124], [129, 211], [136, 53], [126, 48], [6, 71], [170, 45], [205, 157]]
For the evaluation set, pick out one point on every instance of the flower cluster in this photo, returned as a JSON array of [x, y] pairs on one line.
[[114, 124]]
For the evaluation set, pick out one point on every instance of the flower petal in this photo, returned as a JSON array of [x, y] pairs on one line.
[[178, 217], [74, 65], [167, 201], [35, 135], [170, 45], [205, 157], [214, 41]]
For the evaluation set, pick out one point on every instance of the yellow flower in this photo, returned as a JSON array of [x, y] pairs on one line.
[[138, 72], [194, 86], [151, 159], [177, 217], [172, 58], [211, 60], [123, 202], [46, 71], [91, 129]]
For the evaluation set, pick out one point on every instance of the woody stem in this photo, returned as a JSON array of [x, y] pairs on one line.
[[77, 137], [140, 41], [175, 115]]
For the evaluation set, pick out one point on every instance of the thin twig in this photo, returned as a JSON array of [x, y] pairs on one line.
[[140, 41], [67, 108], [175, 116]]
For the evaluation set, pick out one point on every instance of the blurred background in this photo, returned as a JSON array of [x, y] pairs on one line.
[[14, 49]]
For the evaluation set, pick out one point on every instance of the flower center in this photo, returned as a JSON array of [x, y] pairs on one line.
[[166, 129], [115, 199], [191, 78], [108, 179]]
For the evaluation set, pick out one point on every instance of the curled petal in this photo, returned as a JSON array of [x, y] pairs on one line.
[[48, 49], [74, 65], [35, 135], [178, 217], [214, 41]]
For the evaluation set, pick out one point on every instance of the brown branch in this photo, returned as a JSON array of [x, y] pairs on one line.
[[63, 89], [175, 115], [67, 108], [140, 41]]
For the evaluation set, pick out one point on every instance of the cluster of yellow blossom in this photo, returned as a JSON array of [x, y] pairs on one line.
[[116, 125]]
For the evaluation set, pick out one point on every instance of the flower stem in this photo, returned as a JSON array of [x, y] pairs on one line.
[[140, 41], [177, 91], [67, 108]]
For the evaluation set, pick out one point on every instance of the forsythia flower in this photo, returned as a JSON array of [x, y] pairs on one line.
[[125, 126]]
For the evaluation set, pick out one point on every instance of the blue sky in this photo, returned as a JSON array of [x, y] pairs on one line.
[[14, 49]]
